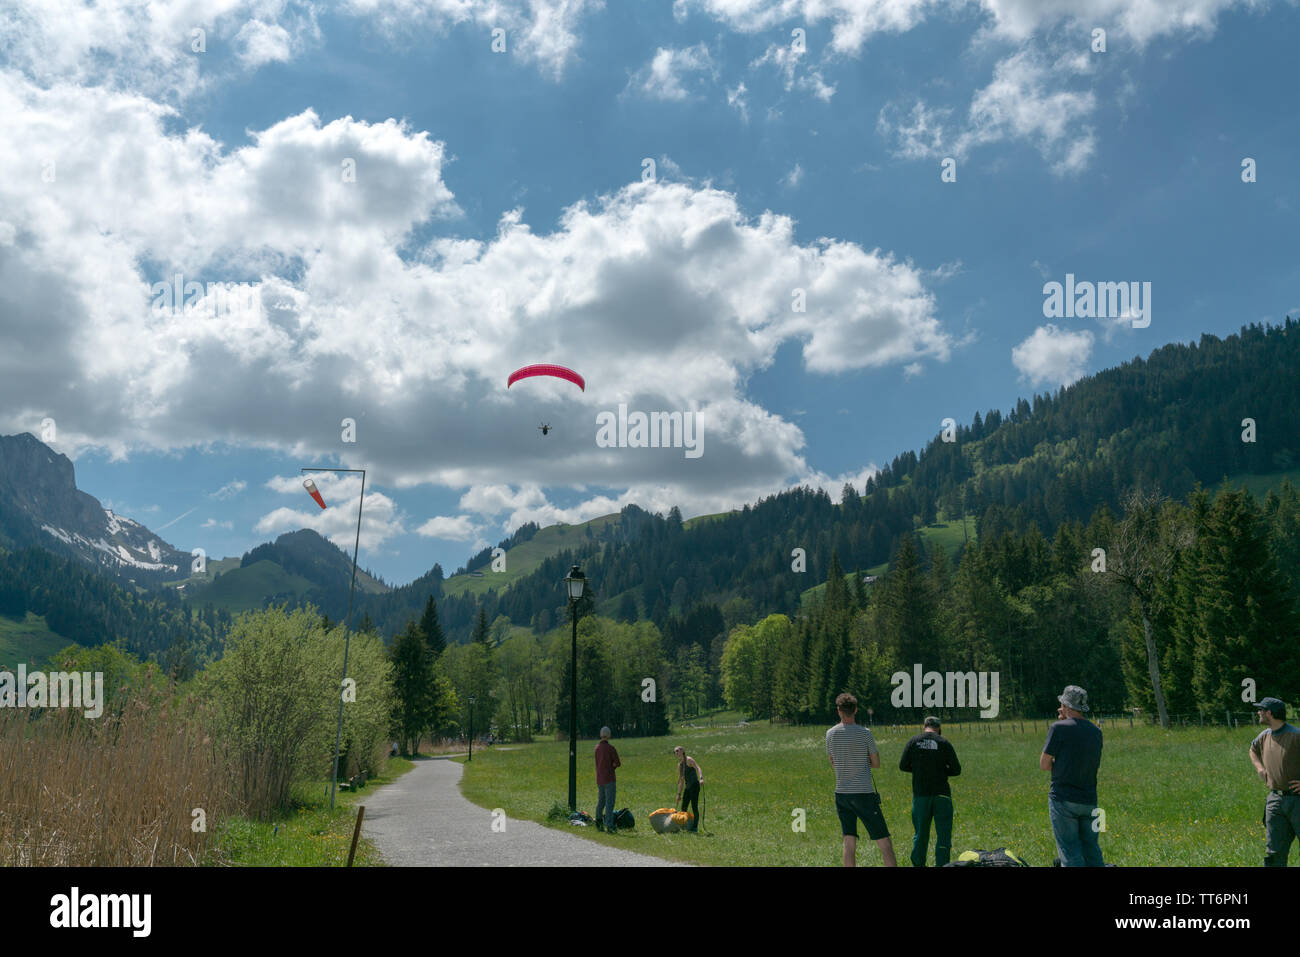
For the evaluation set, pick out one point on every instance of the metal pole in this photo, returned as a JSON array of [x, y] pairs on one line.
[[347, 640], [471, 731], [573, 712]]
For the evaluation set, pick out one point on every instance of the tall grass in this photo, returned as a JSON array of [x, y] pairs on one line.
[[118, 790]]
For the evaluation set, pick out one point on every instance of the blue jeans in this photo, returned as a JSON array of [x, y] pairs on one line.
[[1076, 841], [605, 804]]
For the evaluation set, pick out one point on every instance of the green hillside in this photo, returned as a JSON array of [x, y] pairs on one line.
[[1260, 485], [244, 589], [29, 642], [525, 558], [945, 535]]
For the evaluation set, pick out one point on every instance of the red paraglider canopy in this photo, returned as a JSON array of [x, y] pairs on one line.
[[560, 372]]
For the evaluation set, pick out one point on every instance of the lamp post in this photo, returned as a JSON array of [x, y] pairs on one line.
[[471, 729], [347, 627], [576, 581]]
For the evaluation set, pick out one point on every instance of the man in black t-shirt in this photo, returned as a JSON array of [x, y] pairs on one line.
[[930, 758], [1073, 755]]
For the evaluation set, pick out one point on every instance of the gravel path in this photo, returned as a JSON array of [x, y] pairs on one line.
[[422, 820]]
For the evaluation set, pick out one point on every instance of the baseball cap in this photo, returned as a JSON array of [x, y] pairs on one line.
[[1275, 705]]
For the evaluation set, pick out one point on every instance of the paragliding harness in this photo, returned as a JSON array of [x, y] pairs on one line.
[[581, 819], [996, 858]]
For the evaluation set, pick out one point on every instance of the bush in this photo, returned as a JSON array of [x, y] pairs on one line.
[[274, 696]]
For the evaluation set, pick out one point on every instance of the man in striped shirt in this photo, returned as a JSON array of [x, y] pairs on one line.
[[852, 750]]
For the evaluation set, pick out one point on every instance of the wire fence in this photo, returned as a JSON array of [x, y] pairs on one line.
[[1121, 720]]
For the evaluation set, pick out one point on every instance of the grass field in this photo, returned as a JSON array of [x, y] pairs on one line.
[[311, 835], [1182, 797], [28, 642]]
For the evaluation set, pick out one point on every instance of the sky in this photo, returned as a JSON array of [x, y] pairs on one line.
[[814, 229]]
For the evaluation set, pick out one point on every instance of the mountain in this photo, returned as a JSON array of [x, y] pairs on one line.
[[1190, 413], [299, 567], [41, 505]]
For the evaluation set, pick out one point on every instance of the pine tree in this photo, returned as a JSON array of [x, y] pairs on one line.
[[432, 629], [482, 634], [414, 701], [1246, 616]]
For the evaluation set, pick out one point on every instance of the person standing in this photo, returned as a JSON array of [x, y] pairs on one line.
[[930, 758], [606, 761], [1073, 755], [689, 779], [1275, 752], [852, 750]]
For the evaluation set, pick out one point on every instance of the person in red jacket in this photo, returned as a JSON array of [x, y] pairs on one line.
[[606, 761]]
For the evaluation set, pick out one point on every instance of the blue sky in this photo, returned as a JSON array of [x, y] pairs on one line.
[[500, 215]]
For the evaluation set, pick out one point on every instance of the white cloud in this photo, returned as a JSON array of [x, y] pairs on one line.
[[149, 47], [230, 489], [854, 22], [785, 60], [1023, 101], [213, 523], [1053, 356], [542, 32], [738, 100], [459, 528], [661, 78], [666, 296], [380, 518], [792, 179]]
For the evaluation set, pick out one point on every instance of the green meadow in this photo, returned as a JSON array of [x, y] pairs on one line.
[[1184, 797]]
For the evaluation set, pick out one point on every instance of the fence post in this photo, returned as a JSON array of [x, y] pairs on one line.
[[356, 833]]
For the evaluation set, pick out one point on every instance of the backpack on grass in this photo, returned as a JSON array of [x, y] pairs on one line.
[[623, 820], [997, 858]]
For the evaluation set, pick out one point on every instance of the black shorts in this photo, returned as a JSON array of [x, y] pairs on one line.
[[850, 807]]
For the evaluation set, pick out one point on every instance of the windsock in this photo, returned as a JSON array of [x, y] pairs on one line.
[[310, 486]]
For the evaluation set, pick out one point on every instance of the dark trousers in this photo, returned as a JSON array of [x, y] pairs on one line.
[[936, 808], [1281, 827], [691, 799]]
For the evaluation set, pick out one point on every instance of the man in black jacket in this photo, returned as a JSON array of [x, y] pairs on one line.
[[930, 758]]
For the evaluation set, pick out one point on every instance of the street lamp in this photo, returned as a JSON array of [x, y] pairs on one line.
[[575, 581], [471, 729], [347, 628]]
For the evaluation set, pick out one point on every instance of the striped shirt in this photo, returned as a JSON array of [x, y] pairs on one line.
[[850, 747]]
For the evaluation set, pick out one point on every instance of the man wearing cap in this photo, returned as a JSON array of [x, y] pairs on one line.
[[1276, 756], [930, 758], [606, 761], [1073, 755]]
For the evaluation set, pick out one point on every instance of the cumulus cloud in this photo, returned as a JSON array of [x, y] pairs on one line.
[[662, 77], [458, 528], [165, 47], [1053, 356], [380, 518], [666, 296]]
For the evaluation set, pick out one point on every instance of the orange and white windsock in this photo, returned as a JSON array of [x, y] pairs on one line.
[[310, 486]]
